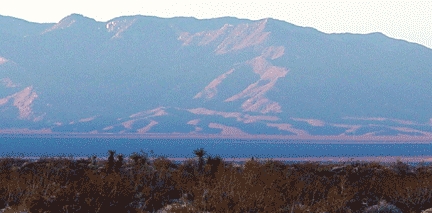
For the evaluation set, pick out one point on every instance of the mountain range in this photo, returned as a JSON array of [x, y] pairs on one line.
[[221, 77]]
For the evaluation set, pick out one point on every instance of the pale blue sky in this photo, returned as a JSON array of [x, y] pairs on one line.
[[407, 20]]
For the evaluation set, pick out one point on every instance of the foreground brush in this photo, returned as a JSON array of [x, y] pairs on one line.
[[210, 184]]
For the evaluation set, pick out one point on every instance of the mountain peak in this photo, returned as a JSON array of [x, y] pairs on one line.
[[70, 20], [74, 17]]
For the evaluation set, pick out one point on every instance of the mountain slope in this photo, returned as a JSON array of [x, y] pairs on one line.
[[224, 76]]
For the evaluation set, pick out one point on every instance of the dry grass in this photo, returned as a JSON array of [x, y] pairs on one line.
[[209, 184]]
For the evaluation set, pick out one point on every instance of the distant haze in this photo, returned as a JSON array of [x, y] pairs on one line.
[[407, 20]]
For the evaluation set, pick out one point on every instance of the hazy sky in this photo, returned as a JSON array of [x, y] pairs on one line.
[[407, 20]]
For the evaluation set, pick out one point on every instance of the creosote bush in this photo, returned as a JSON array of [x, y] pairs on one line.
[[210, 184]]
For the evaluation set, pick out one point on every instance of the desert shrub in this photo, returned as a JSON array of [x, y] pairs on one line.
[[139, 158], [213, 165], [400, 168], [6, 164], [163, 163], [185, 176]]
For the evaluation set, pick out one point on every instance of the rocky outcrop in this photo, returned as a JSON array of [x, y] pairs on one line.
[[427, 211], [382, 207]]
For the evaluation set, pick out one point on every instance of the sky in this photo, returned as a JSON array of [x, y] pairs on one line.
[[407, 20]]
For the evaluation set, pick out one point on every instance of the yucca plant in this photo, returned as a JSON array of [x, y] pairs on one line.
[[200, 154], [110, 163], [92, 163], [93, 160], [119, 162]]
